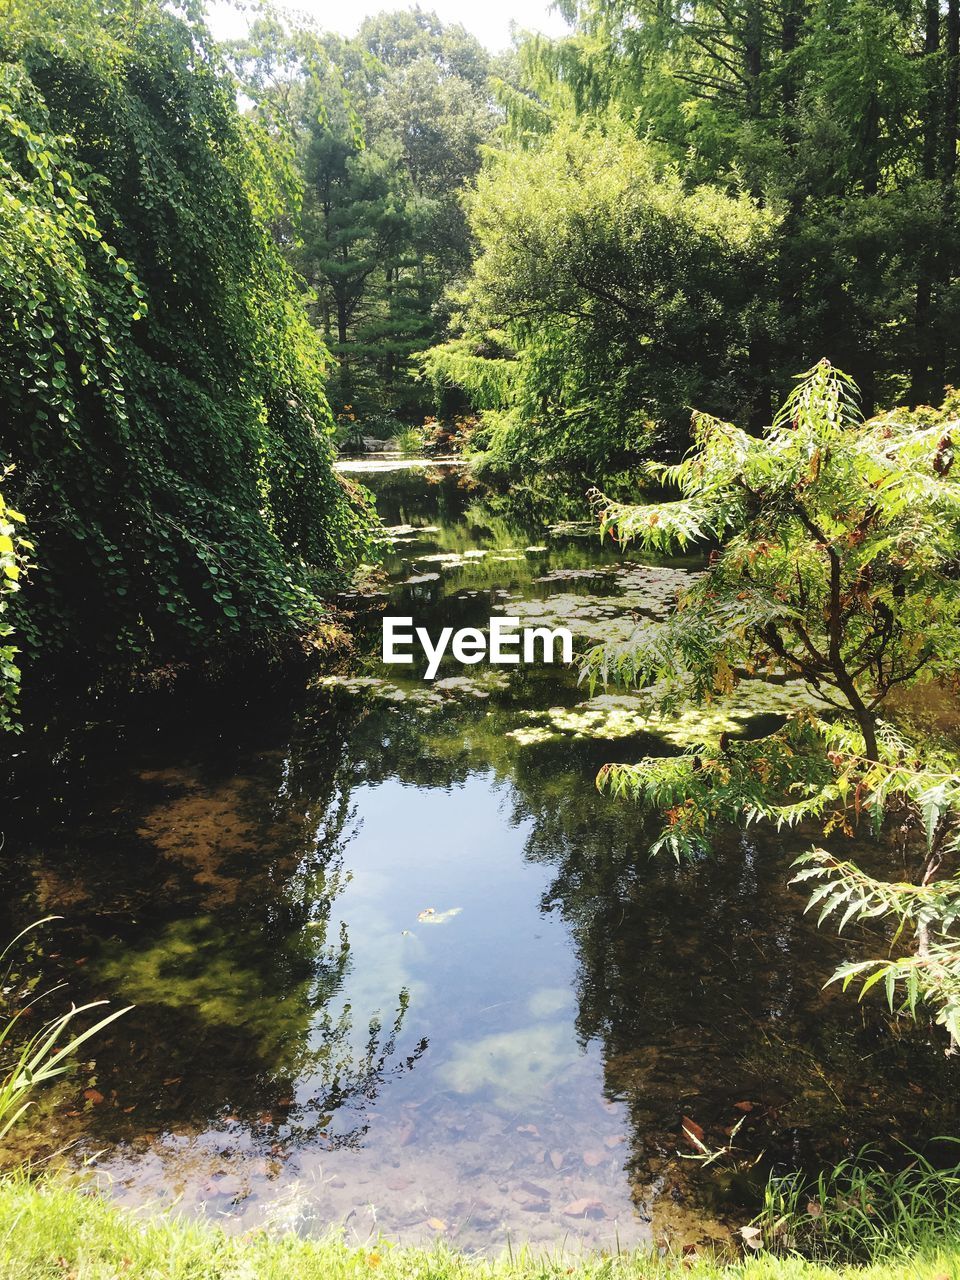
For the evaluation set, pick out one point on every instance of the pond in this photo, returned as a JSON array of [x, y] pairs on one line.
[[398, 967]]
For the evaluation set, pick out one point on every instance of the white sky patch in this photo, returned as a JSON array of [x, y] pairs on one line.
[[491, 22]]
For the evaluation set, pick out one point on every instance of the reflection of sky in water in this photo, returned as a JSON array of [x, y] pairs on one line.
[[483, 985]]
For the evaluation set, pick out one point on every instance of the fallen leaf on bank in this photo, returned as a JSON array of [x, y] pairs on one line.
[[172, 1080], [752, 1237], [436, 1224], [814, 1208], [127, 1110], [692, 1132], [94, 1096], [584, 1208], [745, 1106]]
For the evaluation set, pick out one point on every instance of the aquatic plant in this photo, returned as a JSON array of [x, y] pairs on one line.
[[46, 1054]]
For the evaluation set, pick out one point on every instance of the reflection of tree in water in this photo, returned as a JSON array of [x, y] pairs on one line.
[[509, 516], [204, 892], [214, 920], [356, 1083], [409, 496], [701, 983]]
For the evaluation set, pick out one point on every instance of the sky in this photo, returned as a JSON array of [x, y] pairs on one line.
[[489, 20]]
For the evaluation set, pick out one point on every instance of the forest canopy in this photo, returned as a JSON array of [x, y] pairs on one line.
[[837, 119], [385, 131]]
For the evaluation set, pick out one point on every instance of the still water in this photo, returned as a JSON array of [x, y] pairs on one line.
[[398, 968]]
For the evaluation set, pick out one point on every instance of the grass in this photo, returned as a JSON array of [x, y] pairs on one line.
[[862, 1208], [410, 440], [49, 1231]]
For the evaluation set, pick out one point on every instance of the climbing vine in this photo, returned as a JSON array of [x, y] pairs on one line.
[[163, 391]]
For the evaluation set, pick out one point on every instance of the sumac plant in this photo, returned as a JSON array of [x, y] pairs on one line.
[[836, 563], [162, 391]]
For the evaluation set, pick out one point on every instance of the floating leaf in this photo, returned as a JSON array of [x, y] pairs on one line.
[[432, 916]]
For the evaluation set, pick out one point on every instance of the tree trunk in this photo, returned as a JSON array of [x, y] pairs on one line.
[[951, 111], [926, 268], [343, 358], [753, 56]]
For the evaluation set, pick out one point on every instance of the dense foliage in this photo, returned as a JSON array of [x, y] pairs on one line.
[[838, 565], [162, 388], [385, 130], [606, 296], [838, 118]]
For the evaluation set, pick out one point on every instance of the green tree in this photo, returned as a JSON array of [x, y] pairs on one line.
[[162, 389], [606, 295], [357, 228], [385, 129], [837, 564], [840, 118]]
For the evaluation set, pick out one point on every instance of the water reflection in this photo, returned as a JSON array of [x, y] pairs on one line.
[[398, 968]]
